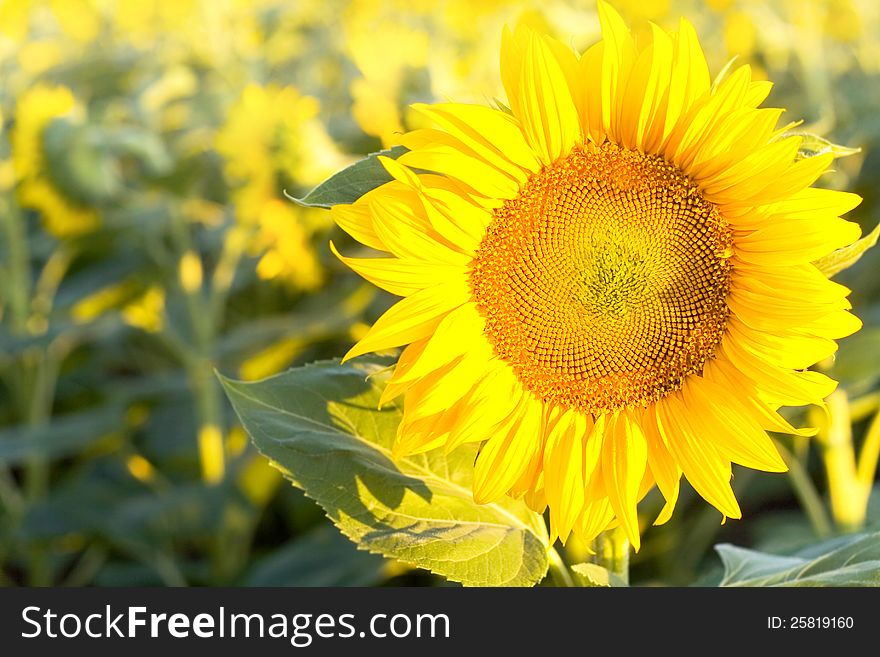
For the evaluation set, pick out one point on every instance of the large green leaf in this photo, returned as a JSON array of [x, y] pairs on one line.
[[852, 560], [348, 185], [321, 426]]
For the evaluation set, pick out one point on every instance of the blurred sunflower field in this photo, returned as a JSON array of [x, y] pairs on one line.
[[147, 152]]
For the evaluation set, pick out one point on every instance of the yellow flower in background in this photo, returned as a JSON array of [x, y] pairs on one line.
[[35, 110], [842, 20], [14, 19], [143, 21], [283, 240], [610, 287], [79, 19], [146, 312], [385, 49], [272, 141]]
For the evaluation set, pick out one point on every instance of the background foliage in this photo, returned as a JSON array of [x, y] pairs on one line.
[[145, 242]]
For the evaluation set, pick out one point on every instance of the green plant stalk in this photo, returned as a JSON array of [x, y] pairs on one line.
[[806, 492], [235, 241], [849, 498], [205, 308], [864, 406], [611, 549], [38, 369], [559, 571], [869, 455], [19, 275], [200, 369]]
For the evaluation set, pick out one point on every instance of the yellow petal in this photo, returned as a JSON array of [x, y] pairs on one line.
[[564, 475], [549, 116], [472, 171], [665, 470], [730, 427], [624, 459], [786, 387], [505, 456], [401, 224], [707, 471], [401, 276], [490, 133], [456, 334], [690, 79], [357, 221], [596, 517], [618, 58], [413, 318]]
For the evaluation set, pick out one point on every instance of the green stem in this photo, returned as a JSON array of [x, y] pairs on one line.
[[200, 369], [864, 406], [559, 571], [50, 279], [221, 281], [87, 567], [612, 552], [205, 310], [806, 492], [18, 291], [848, 497], [38, 368], [870, 453]]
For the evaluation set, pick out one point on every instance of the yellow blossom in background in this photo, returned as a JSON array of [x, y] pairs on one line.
[[108, 298], [79, 19], [38, 56], [14, 19], [262, 144], [740, 33], [384, 49], [147, 311], [273, 142], [141, 309], [36, 108], [283, 240], [271, 360], [144, 21], [842, 20]]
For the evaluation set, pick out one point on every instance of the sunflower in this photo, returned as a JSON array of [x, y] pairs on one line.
[[608, 285], [35, 110], [264, 141]]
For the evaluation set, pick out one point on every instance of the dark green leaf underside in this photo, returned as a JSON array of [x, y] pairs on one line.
[[348, 185]]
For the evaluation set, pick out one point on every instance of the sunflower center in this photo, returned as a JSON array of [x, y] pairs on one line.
[[603, 283]]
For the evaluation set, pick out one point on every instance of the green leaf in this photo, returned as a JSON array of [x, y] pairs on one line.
[[852, 560], [592, 574], [813, 145], [321, 426], [80, 162], [846, 257], [64, 436], [348, 185]]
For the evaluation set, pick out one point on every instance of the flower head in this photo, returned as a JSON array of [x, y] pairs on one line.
[[36, 109], [265, 141], [608, 286]]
